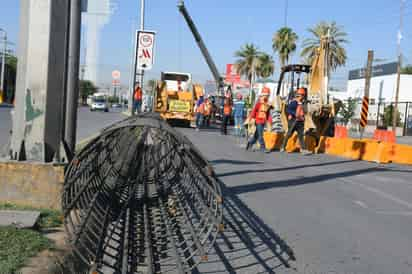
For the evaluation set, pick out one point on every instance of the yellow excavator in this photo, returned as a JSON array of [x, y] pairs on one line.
[[320, 108]]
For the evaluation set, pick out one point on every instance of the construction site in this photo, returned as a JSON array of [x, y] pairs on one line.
[[268, 168]]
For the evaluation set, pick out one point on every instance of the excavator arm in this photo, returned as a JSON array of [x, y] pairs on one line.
[[212, 66]]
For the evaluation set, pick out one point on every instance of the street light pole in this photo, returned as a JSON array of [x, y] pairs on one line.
[[3, 60], [142, 14], [398, 81]]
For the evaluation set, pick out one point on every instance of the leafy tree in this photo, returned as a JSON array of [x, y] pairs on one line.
[[248, 61], [87, 88], [347, 111], [284, 43], [387, 116], [407, 69], [151, 84], [266, 66], [337, 52]]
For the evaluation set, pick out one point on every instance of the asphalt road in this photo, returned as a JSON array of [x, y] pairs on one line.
[[333, 215], [88, 122]]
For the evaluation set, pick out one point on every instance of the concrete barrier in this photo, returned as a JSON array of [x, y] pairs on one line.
[[31, 184]]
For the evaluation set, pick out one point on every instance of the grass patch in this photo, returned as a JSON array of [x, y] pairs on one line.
[[48, 217], [17, 245]]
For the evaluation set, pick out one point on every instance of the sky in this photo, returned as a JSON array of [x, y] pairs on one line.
[[226, 25]]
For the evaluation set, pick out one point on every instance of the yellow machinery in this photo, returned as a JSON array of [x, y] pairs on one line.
[[320, 108], [175, 97]]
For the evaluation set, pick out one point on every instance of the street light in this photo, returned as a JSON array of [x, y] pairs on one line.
[[3, 61]]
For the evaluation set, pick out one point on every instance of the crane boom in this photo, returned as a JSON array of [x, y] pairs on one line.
[[201, 44]]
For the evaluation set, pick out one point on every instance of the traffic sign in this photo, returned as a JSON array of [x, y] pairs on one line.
[[145, 49], [116, 74]]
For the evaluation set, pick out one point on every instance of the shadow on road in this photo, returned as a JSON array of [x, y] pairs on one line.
[[248, 245], [240, 172], [234, 162]]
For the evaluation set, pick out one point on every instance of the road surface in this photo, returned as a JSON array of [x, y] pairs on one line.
[[88, 122], [334, 215]]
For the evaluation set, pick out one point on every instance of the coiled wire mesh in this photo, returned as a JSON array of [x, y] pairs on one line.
[[140, 198]]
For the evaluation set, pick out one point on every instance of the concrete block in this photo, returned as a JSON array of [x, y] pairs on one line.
[[18, 218], [31, 184]]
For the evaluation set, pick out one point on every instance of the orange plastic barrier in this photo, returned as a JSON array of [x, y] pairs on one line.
[[384, 136], [341, 132], [275, 140], [402, 154]]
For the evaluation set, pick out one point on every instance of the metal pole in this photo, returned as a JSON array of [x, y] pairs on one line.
[[406, 119], [73, 73], [142, 14], [398, 81], [3, 60]]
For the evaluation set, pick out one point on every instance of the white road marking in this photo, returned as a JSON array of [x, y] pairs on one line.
[[361, 204], [387, 196], [396, 213]]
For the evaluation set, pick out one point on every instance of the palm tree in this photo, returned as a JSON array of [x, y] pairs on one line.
[[248, 61], [284, 43], [266, 65], [337, 38]]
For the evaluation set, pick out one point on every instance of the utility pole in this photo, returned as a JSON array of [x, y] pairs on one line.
[[398, 81], [141, 74], [365, 101], [73, 84], [3, 61], [142, 10], [286, 12]]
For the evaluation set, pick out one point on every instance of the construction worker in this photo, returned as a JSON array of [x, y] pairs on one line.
[[137, 99], [296, 120], [261, 115], [207, 112], [227, 114], [199, 109], [239, 114]]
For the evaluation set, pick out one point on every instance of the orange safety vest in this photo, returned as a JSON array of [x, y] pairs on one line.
[[263, 111], [201, 108], [300, 113], [207, 109], [138, 94], [227, 110]]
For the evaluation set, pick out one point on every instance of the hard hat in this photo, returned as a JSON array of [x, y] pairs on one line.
[[265, 91], [301, 91], [239, 96]]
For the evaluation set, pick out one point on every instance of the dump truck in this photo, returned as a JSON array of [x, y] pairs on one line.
[[175, 97]]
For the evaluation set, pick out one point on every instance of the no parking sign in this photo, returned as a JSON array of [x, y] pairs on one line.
[[145, 49]]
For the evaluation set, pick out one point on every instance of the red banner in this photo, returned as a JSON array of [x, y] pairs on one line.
[[231, 74]]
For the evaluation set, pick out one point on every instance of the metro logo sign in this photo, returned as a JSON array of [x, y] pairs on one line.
[[231, 74], [145, 49]]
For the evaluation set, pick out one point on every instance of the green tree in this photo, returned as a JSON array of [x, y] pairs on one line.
[[284, 44], [347, 110], [337, 38], [266, 66], [151, 84], [387, 116], [407, 69], [86, 88], [248, 61]]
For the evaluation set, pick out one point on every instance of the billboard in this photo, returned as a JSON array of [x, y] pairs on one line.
[[231, 74], [378, 70], [145, 49]]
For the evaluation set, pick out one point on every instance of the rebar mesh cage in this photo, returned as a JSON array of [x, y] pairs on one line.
[[140, 198]]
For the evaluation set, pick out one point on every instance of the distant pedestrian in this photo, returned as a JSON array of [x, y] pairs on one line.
[[199, 110], [239, 114], [261, 115], [296, 120], [137, 100], [227, 114]]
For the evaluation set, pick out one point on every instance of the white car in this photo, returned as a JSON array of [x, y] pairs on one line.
[[100, 105]]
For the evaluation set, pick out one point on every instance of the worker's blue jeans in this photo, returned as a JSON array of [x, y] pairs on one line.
[[137, 106], [258, 136], [238, 125], [199, 119]]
